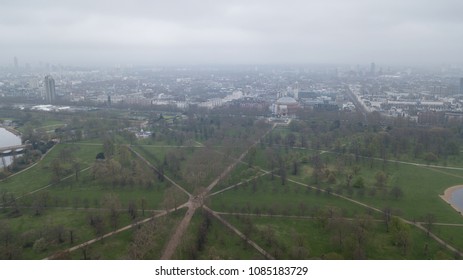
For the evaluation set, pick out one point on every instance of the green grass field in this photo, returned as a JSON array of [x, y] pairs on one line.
[[40, 175], [306, 239], [289, 220], [123, 245]]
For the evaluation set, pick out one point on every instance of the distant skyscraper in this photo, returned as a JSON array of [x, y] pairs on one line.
[[461, 85], [372, 68], [16, 64], [49, 89]]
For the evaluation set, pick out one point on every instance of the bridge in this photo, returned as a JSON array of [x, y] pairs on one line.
[[10, 150]]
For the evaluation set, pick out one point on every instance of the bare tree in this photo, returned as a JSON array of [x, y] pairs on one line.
[[132, 209], [400, 234], [429, 220], [172, 196], [112, 204], [143, 241]]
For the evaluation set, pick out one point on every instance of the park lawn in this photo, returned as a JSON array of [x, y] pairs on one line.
[[189, 176], [284, 230], [421, 189], [149, 142], [318, 243], [451, 234], [86, 153], [450, 172], [39, 175], [53, 122], [117, 246], [293, 153], [260, 158], [220, 242], [124, 220], [88, 193], [46, 124], [223, 244], [155, 155], [110, 248], [93, 141], [270, 197], [451, 160], [37, 226], [90, 196], [242, 173], [187, 249]]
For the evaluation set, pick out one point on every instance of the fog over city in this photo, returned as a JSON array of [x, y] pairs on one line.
[[142, 32]]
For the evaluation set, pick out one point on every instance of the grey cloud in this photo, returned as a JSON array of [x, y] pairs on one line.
[[218, 31]]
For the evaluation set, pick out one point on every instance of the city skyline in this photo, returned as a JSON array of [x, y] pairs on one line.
[[238, 32]]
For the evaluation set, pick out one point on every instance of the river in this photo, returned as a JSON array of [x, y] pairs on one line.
[[8, 139]]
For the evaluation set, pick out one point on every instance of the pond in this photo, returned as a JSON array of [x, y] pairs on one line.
[[457, 199]]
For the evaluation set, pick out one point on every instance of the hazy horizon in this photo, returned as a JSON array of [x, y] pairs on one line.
[[142, 32]]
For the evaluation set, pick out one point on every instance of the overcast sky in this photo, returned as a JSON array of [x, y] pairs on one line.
[[91, 32]]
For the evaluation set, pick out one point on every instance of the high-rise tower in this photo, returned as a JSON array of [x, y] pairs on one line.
[[461, 85], [49, 84]]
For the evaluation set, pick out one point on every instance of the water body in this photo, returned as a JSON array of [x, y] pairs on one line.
[[8, 139], [457, 199]]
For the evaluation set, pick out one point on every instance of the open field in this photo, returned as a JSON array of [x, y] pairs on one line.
[[220, 244], [293, 238], [145, 242], [40, 176], [288, 200]]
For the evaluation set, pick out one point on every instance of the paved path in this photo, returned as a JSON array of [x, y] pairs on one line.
[[240, 234], [89, 242], [155, 169], [197, 201], [48, 186], [24, 170], [238, 184], [418, 225]]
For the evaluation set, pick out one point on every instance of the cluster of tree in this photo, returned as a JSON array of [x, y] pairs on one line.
[[144, 242], [119, 168], [64, 164], [108, 217], [199, 238], [345, 178], [202, 166], [20, 162], [372, 136], [429, 144], [349, 238], [40, 240]]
